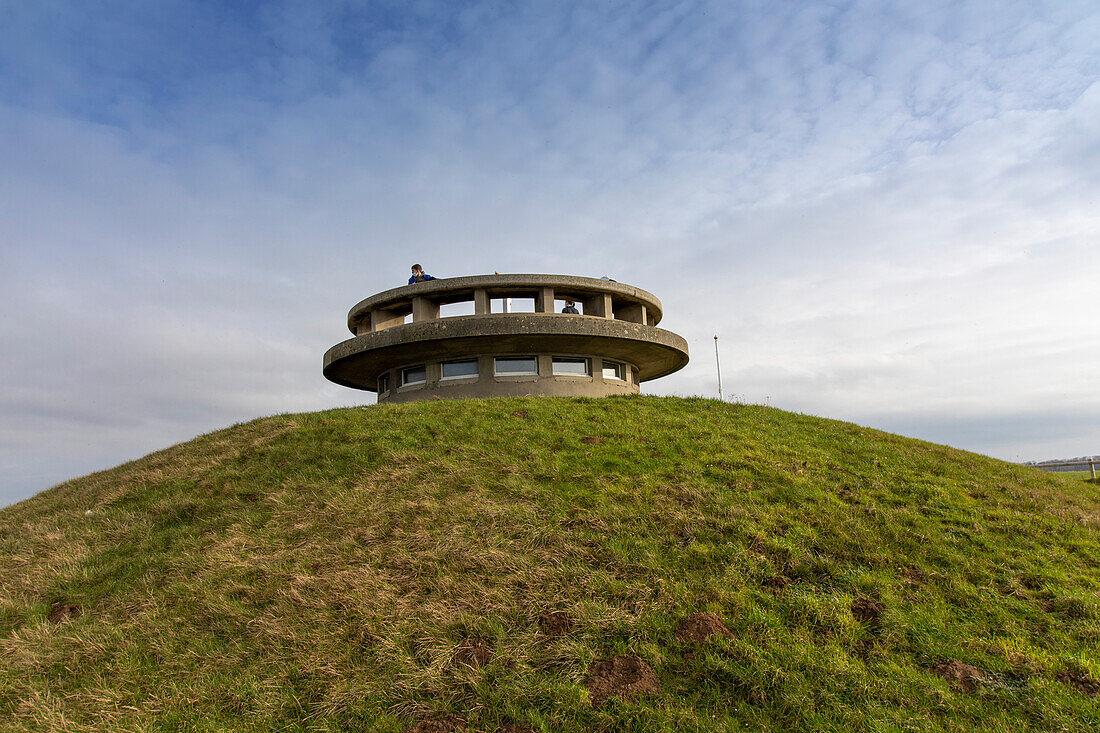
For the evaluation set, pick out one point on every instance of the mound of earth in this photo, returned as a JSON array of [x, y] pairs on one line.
[[555, 623], [474, 653], [698, 627], [1080, 679], [624, 675], [62, 612], [867, 611], [965, 676], [444, 724], [459, 565]]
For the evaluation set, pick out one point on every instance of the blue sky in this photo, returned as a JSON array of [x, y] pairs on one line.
[[889, 212]]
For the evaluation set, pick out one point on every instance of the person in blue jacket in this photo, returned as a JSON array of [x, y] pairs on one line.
[[419, 276]]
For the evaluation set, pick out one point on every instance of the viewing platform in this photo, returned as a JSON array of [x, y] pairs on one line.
[[505, 336]]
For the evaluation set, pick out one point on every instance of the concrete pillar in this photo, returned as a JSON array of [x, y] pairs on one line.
[[544, 301], [599, 305], [485, 367], [633, 312], [383, 319], [424, 310], [481, 302]]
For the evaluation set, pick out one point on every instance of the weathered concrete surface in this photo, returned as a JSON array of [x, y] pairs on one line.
[[358, 361], [617, 326], [585, 290], [486, 384]]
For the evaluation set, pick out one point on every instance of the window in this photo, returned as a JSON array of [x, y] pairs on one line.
[[572, 366], [612, 370], [512, 305], [561, 303], [414, 375], [450, 310], [512, 366], [384, 383], [634, 376], [459, 369]]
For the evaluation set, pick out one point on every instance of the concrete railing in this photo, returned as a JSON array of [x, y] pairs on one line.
[[597, 298]]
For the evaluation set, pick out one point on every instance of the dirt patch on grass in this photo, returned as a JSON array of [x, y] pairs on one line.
[[473, 653], [515, 728], [591, 440], [1031, 582], [1024, 666], [775, 583], [698, 627], [847, 495], [555, 623], [63, 611], [1073, 609], [444, 724], [912, 577], [1080, 679], [963, 676], [519, 413], [624, 676], [868, 611]]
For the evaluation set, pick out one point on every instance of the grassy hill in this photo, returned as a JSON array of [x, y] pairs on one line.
[[633, 564]]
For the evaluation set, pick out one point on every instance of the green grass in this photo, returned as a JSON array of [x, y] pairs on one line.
[[320, 572], [1086, 474]]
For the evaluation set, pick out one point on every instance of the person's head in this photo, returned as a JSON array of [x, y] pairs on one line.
[[569, 303], [417, 269]]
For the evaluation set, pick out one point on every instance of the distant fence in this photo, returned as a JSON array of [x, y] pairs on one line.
[[1092, 464]]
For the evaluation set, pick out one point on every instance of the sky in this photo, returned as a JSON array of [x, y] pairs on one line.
[[889, 212]]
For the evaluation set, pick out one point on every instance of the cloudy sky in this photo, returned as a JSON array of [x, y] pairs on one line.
[[889, 212]]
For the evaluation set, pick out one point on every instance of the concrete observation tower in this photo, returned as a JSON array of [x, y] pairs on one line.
[[420, 341]]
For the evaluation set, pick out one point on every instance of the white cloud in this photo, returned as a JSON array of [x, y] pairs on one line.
[[888, 212]]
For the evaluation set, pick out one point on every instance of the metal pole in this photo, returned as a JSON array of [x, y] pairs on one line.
[[718, 364]]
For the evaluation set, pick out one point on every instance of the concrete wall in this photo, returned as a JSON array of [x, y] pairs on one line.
[[488, 384]]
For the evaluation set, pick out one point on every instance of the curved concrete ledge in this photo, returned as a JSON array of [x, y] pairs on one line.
[[604, 298], [359, 361]]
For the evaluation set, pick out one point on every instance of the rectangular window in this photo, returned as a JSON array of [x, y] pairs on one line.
[[572, 366], [449, 310], [512, 366], [459, 369], [612, 370], [384, 384], [414, 375], [512, 305], [562, 305], [634, 376]]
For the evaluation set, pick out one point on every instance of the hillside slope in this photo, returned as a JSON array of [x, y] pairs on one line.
[[554, 565]]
